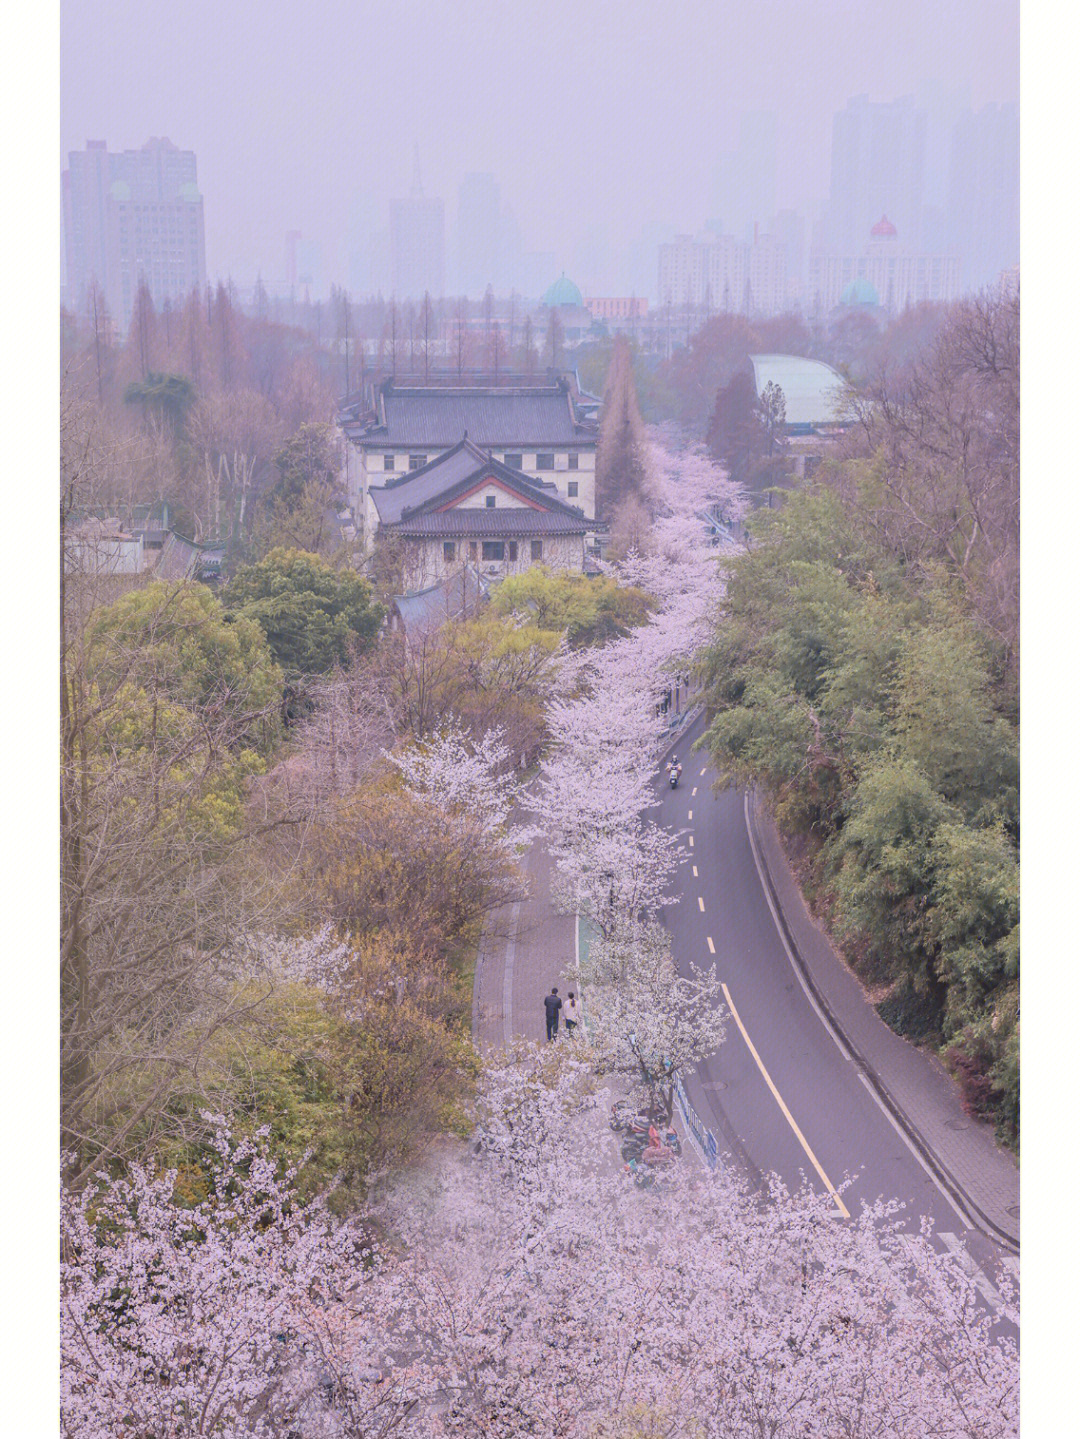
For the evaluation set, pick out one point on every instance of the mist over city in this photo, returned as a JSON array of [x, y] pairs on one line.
[[577, 139]]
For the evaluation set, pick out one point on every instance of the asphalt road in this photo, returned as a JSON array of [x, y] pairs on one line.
[[779, 1094]]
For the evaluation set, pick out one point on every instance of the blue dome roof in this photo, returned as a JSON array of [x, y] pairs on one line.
[[563, 292], [859, 292]]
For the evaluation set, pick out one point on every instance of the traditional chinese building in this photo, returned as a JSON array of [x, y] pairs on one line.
[[536, 429], [467, 507]]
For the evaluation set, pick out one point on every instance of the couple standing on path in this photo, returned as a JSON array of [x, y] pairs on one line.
[[552, 1005]]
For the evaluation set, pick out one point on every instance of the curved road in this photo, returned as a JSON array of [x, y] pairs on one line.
[[780, 1095]]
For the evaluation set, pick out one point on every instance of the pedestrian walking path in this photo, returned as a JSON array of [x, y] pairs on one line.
[[920, 1096], [526, 947]]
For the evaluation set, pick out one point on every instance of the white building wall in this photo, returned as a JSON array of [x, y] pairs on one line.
[[426, 564], [900, 280]]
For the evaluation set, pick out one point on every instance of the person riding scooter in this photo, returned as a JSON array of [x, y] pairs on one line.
[[674, 770]]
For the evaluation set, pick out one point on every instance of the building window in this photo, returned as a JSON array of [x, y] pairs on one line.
[[512, 461], [545, 462], [449, 551], [489, 500], [493, 550], [513, 549], [571, 460], [417, 462], [472, 549], [388, 462], [571, 489], [536, 548]]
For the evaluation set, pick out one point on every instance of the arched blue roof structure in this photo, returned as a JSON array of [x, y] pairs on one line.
[[860, 292], [563, 292]]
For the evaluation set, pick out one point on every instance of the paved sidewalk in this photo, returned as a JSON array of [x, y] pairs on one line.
[[526, 947], [916, 1088]]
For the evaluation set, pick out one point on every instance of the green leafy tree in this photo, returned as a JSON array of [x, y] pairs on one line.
[[310, 454], [314, 616], [588, 609], [859, 690], [167, 710], [176, 642], [169, 396]]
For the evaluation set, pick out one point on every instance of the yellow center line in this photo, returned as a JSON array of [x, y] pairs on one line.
[[691, 838], [695, 871], [693, 792], [701, 904], [702, 775], [690, 815], [785, 1111], [708, 941]]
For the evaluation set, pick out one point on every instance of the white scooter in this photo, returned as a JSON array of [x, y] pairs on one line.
[[674, 770]]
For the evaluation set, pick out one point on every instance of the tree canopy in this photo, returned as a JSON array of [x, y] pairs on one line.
[[313, 615], [881, 717], [589, 609]]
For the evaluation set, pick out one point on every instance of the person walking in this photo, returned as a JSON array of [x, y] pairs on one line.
[[573, 1013], [552, 1005]]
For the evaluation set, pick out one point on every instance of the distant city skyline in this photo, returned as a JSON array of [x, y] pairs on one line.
[[671, 126]]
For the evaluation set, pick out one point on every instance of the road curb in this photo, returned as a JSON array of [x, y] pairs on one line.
[[914, 1136]]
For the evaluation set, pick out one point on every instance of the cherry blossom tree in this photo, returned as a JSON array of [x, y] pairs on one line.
[[523, 1287], [646, 1019], [237, 1315], [555, 1298], [472, 780]]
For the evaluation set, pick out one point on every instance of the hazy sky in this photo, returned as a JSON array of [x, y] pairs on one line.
[[598, 118]]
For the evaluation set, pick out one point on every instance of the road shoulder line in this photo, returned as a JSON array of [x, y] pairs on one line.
[[950, 1188]]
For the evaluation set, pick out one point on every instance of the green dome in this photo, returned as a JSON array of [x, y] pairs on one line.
[[563, 292], [859, 292], [120, 190]]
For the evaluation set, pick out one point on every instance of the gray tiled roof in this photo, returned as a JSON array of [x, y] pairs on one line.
[[457, 595], [526, 417], [178, 560], [493, 524], [442, 474]]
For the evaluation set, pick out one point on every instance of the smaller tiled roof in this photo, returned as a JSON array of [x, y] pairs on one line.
[[474, 524], [450, 476], [457, 596], [179, 558]]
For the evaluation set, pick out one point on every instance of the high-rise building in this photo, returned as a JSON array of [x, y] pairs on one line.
[[479, 236], [790, 229], [884, 273], [985, 192], [417, 243], [719, 272], [745, 190], [878, 164], [131, 216]]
